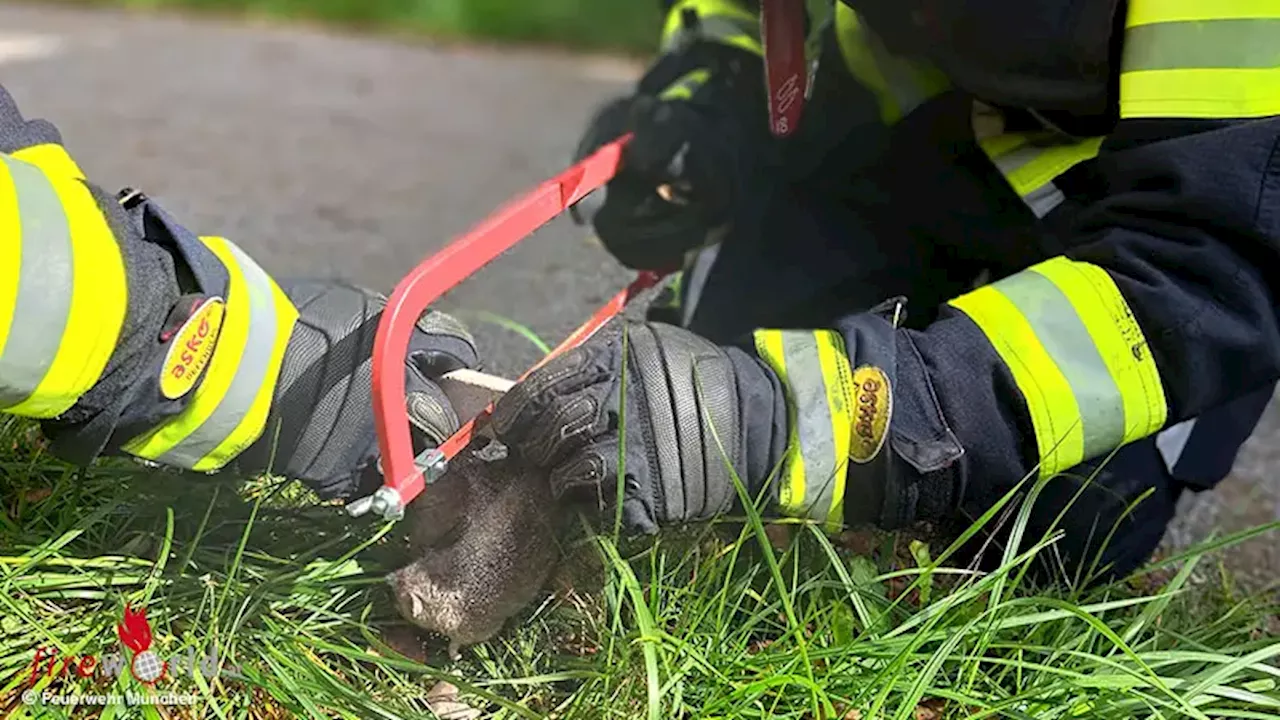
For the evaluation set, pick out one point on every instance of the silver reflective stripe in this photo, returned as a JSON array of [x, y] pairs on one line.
[[1068, 342], [695, 279], [1173, 440], [251, 372], [45, 283], [1044, 199], [1018, 158], [1203, 44], [813, 421]]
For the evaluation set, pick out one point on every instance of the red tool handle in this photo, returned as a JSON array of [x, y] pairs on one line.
[[786, 66], [403, 480]]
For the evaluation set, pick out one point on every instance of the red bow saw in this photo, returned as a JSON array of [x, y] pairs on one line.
[[405, 475]]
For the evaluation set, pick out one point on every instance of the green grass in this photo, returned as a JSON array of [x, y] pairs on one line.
[[630, 26], [711, 622]]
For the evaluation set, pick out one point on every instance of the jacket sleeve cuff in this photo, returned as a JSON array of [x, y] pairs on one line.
[[865, 440], [904, 465]]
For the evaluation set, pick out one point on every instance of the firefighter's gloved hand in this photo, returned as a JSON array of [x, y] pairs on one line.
[[140, 338], [685, 409], [699, 120], [323, 403]]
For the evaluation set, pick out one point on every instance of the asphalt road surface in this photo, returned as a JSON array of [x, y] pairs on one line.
[[322, 154]]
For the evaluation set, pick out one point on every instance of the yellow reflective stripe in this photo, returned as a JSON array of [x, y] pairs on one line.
[[228, 410], [1205, 59], [837, 380], [1055, 416], [1077, 355], [861, 62], [899, 84], [998, 145], [1119, 340], [254, 420], [218, 375], [1031, 168], [1148, 12], [814, 369], [10, 257], [686, 86], [791, 488], [727, 8], [1200, 93], [52, 158], [1050, 162], [722, 21], [43, 286], [98, 291]]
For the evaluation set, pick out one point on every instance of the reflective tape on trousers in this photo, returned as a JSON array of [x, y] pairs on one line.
[[45, 283]]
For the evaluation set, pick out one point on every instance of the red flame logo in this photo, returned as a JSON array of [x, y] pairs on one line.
[[134, 632]]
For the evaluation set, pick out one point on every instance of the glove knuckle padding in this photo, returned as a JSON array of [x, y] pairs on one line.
[[549, 422], [514, 412], [443, 344], [564, 428], [517, 412], [430, 412], [690, 396], [585, 473]]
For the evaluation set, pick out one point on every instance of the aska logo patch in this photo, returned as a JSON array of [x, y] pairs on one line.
[[873, 405], [191, 350]]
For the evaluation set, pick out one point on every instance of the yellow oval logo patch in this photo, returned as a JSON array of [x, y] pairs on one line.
[[191, 350], [873, 405]]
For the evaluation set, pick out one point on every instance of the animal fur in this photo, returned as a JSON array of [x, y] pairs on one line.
[[485, 536]]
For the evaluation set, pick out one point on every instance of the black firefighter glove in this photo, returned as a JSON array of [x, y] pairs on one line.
[[694, 412], [199, 366], [699, 119], [140, 338], [802, 416], [323, 403]]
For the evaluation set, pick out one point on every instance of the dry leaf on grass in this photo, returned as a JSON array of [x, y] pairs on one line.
[[443, 701], [36, 495], [859, 542], [930, 709], [779, 535]]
